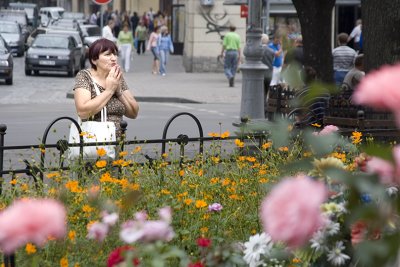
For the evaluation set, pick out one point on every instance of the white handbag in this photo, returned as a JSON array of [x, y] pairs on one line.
[[93, 132]]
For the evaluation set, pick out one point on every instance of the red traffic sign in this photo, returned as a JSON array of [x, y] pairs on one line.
[[244, 11], [101, 2]]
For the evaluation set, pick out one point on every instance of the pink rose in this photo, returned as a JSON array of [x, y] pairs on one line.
[[329, 129], [380, 89], [291, 212], [31, 220], [383, 168]]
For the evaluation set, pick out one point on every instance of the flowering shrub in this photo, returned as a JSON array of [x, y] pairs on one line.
[[336, 205]]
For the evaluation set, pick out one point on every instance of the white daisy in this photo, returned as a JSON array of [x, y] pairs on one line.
[[332, 228], [259, 244], [335, 256], [318, 240]]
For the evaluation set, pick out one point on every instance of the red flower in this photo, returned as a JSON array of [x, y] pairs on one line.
[[203, 242], [117, 256], [196, 264]]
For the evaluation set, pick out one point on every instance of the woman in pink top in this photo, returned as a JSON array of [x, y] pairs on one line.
[[152, 45]]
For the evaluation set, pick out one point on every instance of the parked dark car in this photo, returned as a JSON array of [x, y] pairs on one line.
[[53, 52], [6, 62], [12, 33], [19, 16], [77, 38]]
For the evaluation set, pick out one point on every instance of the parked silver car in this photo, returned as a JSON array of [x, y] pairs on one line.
[[12, 33], [6, 62], [53, 52]]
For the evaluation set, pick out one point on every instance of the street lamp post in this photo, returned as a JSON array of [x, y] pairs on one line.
[[252, 103]]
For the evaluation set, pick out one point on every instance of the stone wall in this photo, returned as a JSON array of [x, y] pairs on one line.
[[205, 27]]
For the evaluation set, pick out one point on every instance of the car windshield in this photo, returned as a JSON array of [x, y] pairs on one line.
[[21, 19], [92, 31], [9, 28], [50, 42]]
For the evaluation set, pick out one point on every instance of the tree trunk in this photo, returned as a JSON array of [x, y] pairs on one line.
[[315, 18], [381, 32]]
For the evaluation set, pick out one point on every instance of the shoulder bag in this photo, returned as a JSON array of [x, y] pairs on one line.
[[93, 132]]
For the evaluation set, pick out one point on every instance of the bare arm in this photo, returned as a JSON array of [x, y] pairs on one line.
[[131, 106]]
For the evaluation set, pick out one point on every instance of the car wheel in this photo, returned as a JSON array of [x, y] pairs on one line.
[[28, 72], [9, 81], [71, 71]]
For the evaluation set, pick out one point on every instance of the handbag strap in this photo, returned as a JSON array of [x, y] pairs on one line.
[[103, 113]]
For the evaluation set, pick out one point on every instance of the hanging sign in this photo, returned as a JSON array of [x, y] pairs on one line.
[[244, 11], [101, 2]]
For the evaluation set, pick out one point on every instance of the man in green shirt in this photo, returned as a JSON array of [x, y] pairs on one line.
[[231, 46]]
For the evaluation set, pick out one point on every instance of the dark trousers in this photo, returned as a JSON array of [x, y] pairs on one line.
[[141, 47]]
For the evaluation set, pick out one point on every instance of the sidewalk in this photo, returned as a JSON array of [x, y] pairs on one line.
[[178, 85]]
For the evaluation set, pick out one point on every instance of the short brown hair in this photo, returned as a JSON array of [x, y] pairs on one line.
[[99, 46], [342, 38], [359, 61]]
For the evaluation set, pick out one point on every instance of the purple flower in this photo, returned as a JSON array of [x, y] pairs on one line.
[[98, 231], [214, 207]]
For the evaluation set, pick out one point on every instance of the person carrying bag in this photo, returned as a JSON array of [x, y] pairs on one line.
[[102, 97]]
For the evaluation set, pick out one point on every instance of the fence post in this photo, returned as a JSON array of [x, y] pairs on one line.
[[3, 129]]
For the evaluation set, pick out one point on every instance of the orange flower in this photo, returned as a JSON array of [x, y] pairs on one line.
[[267, 145], [137, 149], [213, 134], [101, 152], [200, 204], [283, 149], [101, 164], [123, 154], [225, 134], [239, 143], [181, 173]]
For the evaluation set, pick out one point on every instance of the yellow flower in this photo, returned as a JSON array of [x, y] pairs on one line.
[[164, 155], [225, 134], [283, 149], [101, 152], [213, 134], [266, 145], [316, 125], [251, 159], [137, 149], [253, 231], [263, 180], [106, 177], [206, 216], [13, 182], [188, 201], [204, 230], [181, 173], [235, 197], [239, 143], [118, 162], [73, 186], [64, 262], [296, 260], [101, 163], [72, 235], [307, 154], [165, 192], [242, 158], [356, 137], [52, 175], [30, 248], [123, 154], [87, 208], [262, 172], [24, 187], [215, 159], [226, 181], [200, 204], [200, 173], [214, 180]]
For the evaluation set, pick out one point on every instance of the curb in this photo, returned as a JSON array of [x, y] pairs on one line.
[[157, 99]]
